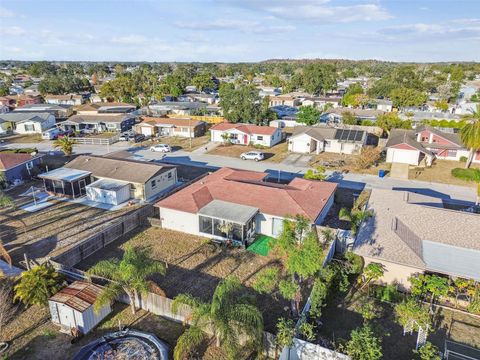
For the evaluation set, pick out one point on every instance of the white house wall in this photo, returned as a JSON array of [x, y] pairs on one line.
[[163, 182], [179, 221], [403, 156], [343, 147], [300, 144]]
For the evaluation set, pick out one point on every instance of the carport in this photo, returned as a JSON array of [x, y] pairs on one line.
[[108, 191]]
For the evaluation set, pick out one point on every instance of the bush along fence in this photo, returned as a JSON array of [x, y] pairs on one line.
[[98, 241]]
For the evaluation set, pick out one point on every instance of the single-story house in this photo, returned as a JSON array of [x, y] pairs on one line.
[[105, 108], [145, 180], [70, 99], [177, 107], [315, 139], [59, 111], [28, 122], [247, 201], [411, 233], [320, 102], [383, 105], [18, 166], [98, 123], [164, 126], [284, 100], [424, 143], [72, 307], [21, 100], [64, 182], [335, 115], [246, 134]]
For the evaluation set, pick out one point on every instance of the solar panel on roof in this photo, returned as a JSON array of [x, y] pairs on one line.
[[351, 135], [359, 136]]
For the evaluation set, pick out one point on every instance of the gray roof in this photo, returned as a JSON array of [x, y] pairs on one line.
[[116, 169], [25, 116], [453, 137], [94, 119], [415, 230], [64, 174], [43, 107], [108, 184], [401, 136], [318, 133], [228, 211]]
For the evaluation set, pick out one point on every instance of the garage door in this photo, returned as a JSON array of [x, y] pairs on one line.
[[277, 227], [147, 131]]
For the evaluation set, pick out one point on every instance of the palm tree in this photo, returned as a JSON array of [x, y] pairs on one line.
[[38, 284], [355, 217], [65, 144], [228, 316], [128, 275], [470, 134]]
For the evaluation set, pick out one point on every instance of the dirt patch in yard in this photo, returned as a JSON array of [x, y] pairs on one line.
[[179, 143], [347, 163], [276, 153], [196, 268], [441, 171], [49, 231]]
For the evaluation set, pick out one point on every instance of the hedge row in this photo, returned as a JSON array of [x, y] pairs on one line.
[[467, 174]]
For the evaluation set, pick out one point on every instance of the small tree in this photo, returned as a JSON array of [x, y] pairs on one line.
[[355, 217], [308, 115], [410, 312], [307, 330], [436, 286], [427, 352], [38, 284], [285, 332], [369, 310], [371, 272], [127, 275], [364, 345], [65, 144], [290, 291], [318, 297], [315, 174]]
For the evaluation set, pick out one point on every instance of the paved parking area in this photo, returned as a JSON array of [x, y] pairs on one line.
[[299, 160]]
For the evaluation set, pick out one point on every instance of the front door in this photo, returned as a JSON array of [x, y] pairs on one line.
[[245, 139]]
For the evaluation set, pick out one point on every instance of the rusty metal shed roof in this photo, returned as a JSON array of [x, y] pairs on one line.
[[79, 295]]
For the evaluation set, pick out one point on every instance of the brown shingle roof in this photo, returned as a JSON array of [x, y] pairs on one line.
[[300, 196], [116, 169], [10, 160], [79, 295]]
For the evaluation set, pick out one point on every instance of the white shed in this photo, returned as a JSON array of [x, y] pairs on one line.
[[72, 307], [108, 191]]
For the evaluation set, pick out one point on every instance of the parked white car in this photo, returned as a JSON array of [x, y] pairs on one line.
[[161, 148], [51, 134], [253, 155]]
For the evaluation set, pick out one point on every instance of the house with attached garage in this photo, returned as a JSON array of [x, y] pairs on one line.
[[411, 233], [247, 201], [28, 122], [18, 166], [315, 139], [421, 146], [164, 126], [246, 134], [98, 123], [110, 180]]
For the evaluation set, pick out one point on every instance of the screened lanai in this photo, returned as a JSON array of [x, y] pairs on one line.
[[214, 215], [66, 182]]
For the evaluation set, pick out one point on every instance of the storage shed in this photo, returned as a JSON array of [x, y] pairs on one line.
[[72, 307], [108, 191]]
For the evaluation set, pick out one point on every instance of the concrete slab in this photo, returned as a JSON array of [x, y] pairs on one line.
[[399, 171]]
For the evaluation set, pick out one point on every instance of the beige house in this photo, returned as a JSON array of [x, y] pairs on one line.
[[145, 180], [284, 100], [411, 233], [164, 126]]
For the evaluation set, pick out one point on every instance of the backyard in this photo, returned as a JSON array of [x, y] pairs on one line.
[[196, 267], [49, 231], [276, 153]]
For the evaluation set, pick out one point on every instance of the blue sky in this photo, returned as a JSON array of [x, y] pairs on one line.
[[239, 30]]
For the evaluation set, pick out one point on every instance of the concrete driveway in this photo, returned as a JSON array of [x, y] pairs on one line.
[[298, 160]]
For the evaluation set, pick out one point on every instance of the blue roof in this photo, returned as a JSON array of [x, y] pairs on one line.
[[64, 174]]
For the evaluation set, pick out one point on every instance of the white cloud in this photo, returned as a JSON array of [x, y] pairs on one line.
[[317, 10], [5, 13], [460, 30], [236, 25], [130, 40], [12, 30]]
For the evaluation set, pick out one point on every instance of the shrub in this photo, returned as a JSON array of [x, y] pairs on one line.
[[368, 157], [463, 159], [315, 174], [266, 280], [467, 174]]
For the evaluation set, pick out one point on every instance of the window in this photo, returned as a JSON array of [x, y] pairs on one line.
[[205, 225], [452, 153], [170, 175], [29, 165], [259, 137], [184, 129], [153, 183], [29, 127], [234, 136]]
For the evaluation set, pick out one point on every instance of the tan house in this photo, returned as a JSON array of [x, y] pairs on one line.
[[284, 100], [110, 180], [163, 126], [411, 233]]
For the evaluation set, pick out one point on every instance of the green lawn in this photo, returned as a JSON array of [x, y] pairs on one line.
[[262, 245]]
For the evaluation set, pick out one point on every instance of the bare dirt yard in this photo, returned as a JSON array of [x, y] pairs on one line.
[[179, 143], [22, 139], [344, 162], [196, 267], [49, 231], [440, 171], [276, 153]]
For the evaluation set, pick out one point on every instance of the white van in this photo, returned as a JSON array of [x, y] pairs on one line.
[[51, 134]]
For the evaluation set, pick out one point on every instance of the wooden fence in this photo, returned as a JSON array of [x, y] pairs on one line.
[[97, 140], [103, 237]]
